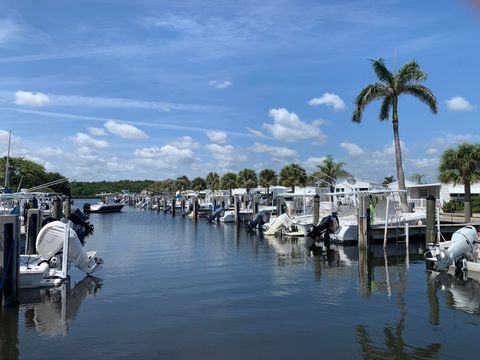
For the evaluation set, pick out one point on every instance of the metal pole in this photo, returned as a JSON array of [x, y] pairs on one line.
[[386, 223]]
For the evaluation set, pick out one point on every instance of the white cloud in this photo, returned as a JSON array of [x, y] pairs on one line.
[[329, 99], [167, 154], [431, 151], [430, 163], [50, 152], [352, 149], [288, 127], [459, 103], [226, 154], [96, 131], [4, 134], [217, 136], [255, 132], [85, 141], [312, 162], [184, 142], [220, 84], [125, 131], [389, 149], [274, 151], [31, 98]]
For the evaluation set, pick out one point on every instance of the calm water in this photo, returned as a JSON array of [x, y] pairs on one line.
[[171, 288]]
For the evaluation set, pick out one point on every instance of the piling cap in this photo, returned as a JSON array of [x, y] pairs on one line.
[[431, 197], [316, 196]]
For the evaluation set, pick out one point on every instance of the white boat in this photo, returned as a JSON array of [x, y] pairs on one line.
[[48, 268], [106, 205]]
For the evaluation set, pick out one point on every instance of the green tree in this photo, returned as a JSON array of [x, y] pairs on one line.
[[417, 178], [267, 178], [247, 178], [406, 81], [199, 184], [388, 180], [26, 174], [183, 183], [461, 165], [213, 181], [329, 171], [293, 175], [229, 181]]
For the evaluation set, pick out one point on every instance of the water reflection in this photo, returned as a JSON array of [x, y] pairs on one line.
[[460, 293], [50, 311], [394, 345]]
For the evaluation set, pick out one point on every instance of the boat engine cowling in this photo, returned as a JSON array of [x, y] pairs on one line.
[[461, 247], [262, 217], [50, 242]]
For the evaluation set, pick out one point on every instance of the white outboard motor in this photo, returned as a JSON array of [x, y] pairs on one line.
[[53, 237], [461, 247]]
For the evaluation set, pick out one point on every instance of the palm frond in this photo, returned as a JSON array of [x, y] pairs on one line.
[[385, 109], [366, 96], [410, 72], [423, 94], [382, 72]]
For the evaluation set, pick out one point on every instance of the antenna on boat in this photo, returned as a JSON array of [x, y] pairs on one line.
[[8, 158]]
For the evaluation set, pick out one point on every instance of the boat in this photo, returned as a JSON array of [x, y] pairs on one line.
[[48, 268], [106, 205]]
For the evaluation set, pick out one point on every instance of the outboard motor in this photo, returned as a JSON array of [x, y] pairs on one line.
[[328, 225], [86, 208], [461, 247], [216, 215], [262, 217]]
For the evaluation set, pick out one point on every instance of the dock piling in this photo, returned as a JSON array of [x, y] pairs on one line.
[[57, 208], [316, 209], [9, 258], [34, 223], [430, 226]]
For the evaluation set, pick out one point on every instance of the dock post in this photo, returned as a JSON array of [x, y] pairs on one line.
[[182, 205], [430, 228], [34, 223], [67, 207], [237, 210], [316, 209], [195, 208], [254, 206], [407, 244], [9, 259], [57, 208], [173, 206], [362, 238]]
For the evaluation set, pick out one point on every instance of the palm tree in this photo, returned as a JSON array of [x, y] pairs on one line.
[[267, 178], [199, 184], [229, 181], [247, 178], [417, 178], [183, 183], [461, 165], [293, 175], [329, 171], [213, 181], [388, 180], [406, 81]]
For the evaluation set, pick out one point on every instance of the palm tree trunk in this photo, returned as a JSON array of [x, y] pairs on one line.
[[468, 202], [398, 157]]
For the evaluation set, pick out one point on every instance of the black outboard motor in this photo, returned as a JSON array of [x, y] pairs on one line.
[[81, 214], [328, 225], [86, 208], [216, 215], [262, 217]]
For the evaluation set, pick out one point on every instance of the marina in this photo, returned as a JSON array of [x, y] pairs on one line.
[[208, 289]]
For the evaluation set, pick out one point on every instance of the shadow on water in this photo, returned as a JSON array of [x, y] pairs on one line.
[[47, 311]]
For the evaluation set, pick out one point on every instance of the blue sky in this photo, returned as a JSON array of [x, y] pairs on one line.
[[104, 89]]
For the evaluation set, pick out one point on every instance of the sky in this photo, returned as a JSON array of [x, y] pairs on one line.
[[116, 89]]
